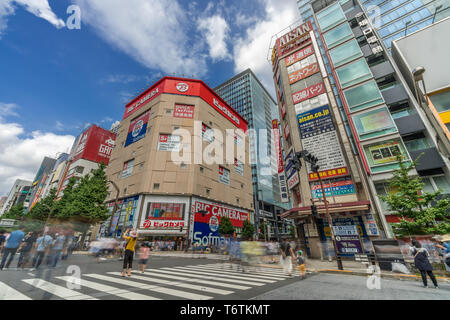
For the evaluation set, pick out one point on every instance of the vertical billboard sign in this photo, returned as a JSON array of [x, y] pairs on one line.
[[278, 152], [95, 145], [224, 175], [291, 173], [138, 129], [319, 136]]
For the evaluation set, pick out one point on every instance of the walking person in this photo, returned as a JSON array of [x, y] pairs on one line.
[[130, 237], [57, 248], [42, 245], [2, 239], [301, 264], [286, 257], [144, 251], [11, 246], [25, 249], [422, 263]]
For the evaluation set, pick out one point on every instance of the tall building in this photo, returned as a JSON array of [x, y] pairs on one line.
[[245, 94], [56, 175], [428, 48], [174, 179], [2, 202], [17, 195], [311, 120], [391, 19], [89, 149], [381, 111], [37, 187]]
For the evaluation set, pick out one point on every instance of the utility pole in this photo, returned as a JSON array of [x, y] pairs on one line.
[[312, 160]]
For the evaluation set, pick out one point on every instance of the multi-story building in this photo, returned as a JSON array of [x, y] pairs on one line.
[[245, 94], [381, 112], [2, 202], [311, 120], [174, 178], [56, 175], [428, 48], [392, 19], [37, 187], [17, 195], [90, 148]]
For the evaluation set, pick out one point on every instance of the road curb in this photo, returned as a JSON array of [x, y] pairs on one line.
[[387, 276]]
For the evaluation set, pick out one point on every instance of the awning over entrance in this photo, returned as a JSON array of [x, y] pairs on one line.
[[303, 212]]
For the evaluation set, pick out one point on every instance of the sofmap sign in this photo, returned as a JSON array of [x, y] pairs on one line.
[[138, 129]]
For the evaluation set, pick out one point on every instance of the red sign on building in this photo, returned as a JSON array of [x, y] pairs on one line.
[[299, 55], [183, 111], [237, 217], [95, 144], [294, 39], [308, 93], [303, 73]]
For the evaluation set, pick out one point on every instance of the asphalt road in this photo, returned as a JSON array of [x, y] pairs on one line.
[[347, 287], [168, 278]]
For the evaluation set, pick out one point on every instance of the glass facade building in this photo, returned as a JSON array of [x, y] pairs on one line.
[[245, 94], [383, 115]]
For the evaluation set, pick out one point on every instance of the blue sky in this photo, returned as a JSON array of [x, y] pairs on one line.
[[55, 81]]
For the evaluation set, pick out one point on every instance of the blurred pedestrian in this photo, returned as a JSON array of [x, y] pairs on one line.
[[286, 257], [57, 248], [144, 251], [130, 237], [42, 245], [12, 244], [2, 239], [301, 264], [422, 263], [25, 249]]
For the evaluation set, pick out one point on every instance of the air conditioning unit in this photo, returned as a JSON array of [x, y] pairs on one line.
[[363, 23], [377, 49], [372, 39], [368, 32]]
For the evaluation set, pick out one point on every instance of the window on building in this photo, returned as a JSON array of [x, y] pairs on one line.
[[79, 169], [125, 191], [338, 35], [128, 168], [208, 191], [346, 52], [165, 211], [416, 142], [363, 96], [183, 165], [331, 17], [441, 101], [156, 186], [374, 123], [353, 73]]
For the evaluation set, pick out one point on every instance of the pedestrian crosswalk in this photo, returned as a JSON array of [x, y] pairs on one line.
[[192, 282]]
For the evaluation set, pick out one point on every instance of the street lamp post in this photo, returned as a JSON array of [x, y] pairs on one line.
[[315, 168]]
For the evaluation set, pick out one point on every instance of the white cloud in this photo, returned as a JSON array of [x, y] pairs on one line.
[[7, 109], [216, 31], [155, 33], [39, 8], [251, 51], [21, 154]]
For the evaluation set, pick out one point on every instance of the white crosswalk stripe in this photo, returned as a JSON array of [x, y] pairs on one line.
[[198, 282], [58, 291], [156, 272], [137, 285], [8, 293], [112, 290], [252, 274], [176, 284]]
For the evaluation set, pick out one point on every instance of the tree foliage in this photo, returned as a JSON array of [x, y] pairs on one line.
[[414, 206], [226, 227], [248, 230], [45, 208], [16, 212]]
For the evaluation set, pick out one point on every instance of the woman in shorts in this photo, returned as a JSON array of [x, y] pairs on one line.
[[144, 251]]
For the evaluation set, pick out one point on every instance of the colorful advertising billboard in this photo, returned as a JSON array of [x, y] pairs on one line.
[[319, 136], [183, 111], [281, 176], [299, 55], [374, 123], [308, 93], [95, 145], [303, 73], [294, 39], [236, 216], [137, 129], [383, 152], [333, 188]]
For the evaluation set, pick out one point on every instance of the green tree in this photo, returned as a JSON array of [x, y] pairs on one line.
[[16, 212], [263, 228], [41, 210], [248, 230], [84, 205], [413, 206], [225, 227]]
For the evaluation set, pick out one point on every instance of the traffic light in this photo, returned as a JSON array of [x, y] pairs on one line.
[[314, 211], [297, 162]]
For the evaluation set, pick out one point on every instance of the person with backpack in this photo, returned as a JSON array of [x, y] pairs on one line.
[[130, 236], [42, 245], [11, 246], [286, 257], [422, 263]]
